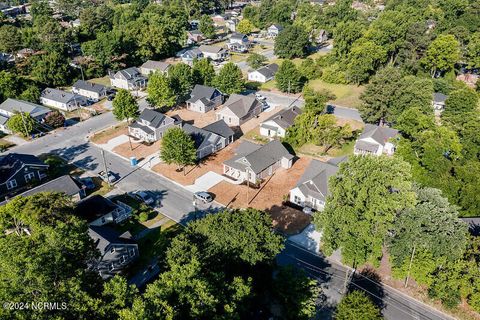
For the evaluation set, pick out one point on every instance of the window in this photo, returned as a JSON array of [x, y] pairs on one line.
[[29, 176], [132, 252], [11, 184], [297, 199], [123, 259], [112, 250]]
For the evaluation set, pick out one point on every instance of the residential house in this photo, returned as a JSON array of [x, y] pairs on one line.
[[206, 142], [59, 99], [253, 162], [98, 211], [239, 109], [190, 55], [203, 99], [117, 250], [222, 129], [277, 125], [231, 24], [263, 74], [375, 140], [18, 170], [11, 106], [128, 79], [311, 189], [438, 101], [318, 36], [219, 19], [238, 42], [151, 66], [64, 184], [151, 125], [94, 91], [213, 52], [194, 36], [274, 30]]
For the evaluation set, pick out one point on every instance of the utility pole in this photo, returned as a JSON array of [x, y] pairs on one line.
[[410, 266], [288, 86], [248, 184], [24, 123], [105, 167]]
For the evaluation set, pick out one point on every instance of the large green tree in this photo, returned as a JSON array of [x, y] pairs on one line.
[[51, 69], [160, 92], [178, 148], [230, 79], [203, 72], [461, 105], [442, 54], [356, 305], [256, 60], [292, 42], [21, 123], [181, 80], [125, 107], [10, 38], [206, 26], [288, 78], [364, 59], [365, 196]]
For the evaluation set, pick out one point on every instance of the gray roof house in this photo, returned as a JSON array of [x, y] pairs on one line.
[[253, 162], [189, 55], [263, 74], [128, 79], [98, 211], [222, 129], [151, 125], [274, 30], [213, 52], [277, 125], [11, 106], [311, 189], [59, 99], [152, 66], [204, 98], [438, 101], [238, 42], [375, 140], [206, 142], [117, 250], [94, 91], [239, 109]]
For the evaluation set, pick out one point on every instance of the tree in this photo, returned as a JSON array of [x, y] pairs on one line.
[[181, 79], [442, 54], [413, 121], [292, 42], [125, 107], [431, 230], [51, 69], [31, 93], [160, 92], [9, 85], [230, 79], [203, 72], [459, 104], [55, 119], [288, 78], [178, 148], [206, 26], [356, 305], [256, 60], [365, 196], [364, 59], [21, 123], [473, 51], [10, 39], [309, 69], [346, 33], [245, 26]]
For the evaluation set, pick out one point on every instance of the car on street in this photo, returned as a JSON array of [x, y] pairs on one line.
[[110, 177], [88, 183], [144, 197], [260, 97], [203, 196]]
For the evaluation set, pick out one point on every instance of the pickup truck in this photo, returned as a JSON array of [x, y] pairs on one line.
[[111, 176]]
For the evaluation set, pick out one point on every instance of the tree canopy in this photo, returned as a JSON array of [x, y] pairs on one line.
[[230, 79], [178, 148], [125, 107]]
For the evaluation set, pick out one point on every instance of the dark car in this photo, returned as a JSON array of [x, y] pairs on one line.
[[88, 183]]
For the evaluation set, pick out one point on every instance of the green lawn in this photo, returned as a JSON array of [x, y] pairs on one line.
[[268, 86], [254, 135], [313, 150], [103, 80], [347, 95]]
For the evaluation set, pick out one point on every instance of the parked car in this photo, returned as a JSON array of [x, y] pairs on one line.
[[260, 97], [203, 196], [88, 183], [143, 196], [108, 177], [307, 210]]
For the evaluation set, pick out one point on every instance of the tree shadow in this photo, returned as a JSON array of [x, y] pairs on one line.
[[370, 282]]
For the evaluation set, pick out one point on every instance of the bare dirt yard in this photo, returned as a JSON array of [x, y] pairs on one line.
[[288, 220], [102, 137], [196, 118], [270, 194], [212, 163], [139, 150]]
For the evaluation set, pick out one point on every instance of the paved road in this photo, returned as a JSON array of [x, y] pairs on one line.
[[395, 305]]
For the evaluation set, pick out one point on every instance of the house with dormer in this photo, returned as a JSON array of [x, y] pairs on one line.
[[151, 125], [128, 79], [203, 99]]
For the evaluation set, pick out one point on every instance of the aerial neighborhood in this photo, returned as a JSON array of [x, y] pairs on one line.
[[263, 159]]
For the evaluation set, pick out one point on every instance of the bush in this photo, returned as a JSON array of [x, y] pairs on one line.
[[55, 119], [333, 74], [143, 216]]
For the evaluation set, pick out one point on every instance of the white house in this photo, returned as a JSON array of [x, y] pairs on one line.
[[375, 140], [263, 74], [277, 125], [213, 52], [128, 79], [238, 42], [438, 102], [152, 66], [11, 106], [62, 100], [274, 30], [90, 90], [151, 125]]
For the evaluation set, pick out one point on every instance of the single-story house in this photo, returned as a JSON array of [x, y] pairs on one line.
[[204, 98], [277, 125], [253, 162], [213, 52], [274, 30], [152, 66], [18, 170], [117, 250], [222, 129], [59, 99], [194, 36], [375, 140], [263, 74], [206, 142], [128, 79], [151, 125], [438, 101], [98, 211], [239, 109], [94, 91], [311, 189], [11, 106], [190, 55]]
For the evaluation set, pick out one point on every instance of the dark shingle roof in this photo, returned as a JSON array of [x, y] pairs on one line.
[[154, 117], [89, 86], [62, 96], [202, 137], [64, 184], [104, 236], [221, 128], [378, 134], [284, 119], [240, 105], [201, 91], [12, 162], [156, 65], [268, 71], [439, 97], [94, 207]]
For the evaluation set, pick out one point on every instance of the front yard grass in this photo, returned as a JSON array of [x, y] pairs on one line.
[[313, 150], [268, 86], [106, 135], [254, 135], [346, 95]]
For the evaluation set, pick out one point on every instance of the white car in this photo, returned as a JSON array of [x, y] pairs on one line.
[[260, 97], [143, 196], [307, 210], [203, 196]]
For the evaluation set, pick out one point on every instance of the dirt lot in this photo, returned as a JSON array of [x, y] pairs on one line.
[[139, 150], [289, 220], [199, 119], [212, 163], [271, 193], [104, 136]]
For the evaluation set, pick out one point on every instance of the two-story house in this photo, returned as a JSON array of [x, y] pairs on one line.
[[239, 109], [274, 30], [238, 42], [189, 55], [151, 125], [128, 79], [203, 99], [99, 211]]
